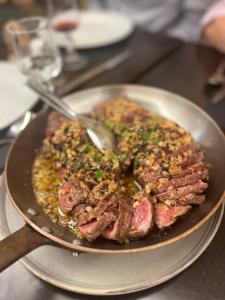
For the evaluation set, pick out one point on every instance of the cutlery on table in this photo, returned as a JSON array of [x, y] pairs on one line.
[[95, 71], [219, 96], [218, 77], [101, 136]]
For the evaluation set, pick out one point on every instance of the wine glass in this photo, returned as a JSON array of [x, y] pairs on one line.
[[64, 20], [35, 52]]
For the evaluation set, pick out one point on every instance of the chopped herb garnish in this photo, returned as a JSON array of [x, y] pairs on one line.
[[87, 148], [145, 136], [155, 128], [136, 163], [98, 174], [78, 164], [118, 135], [135, 150], [110, 124], [156, 141], [86, 166], [97, 158]]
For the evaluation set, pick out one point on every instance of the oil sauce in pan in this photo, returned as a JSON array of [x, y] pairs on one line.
[[46, 180]]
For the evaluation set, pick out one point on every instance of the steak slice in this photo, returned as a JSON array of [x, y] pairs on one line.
[[101, 192], [183, 181], [191, 199], [167, 215], [55, 119], [196, 157], [147, 174], [198, 167], [88, 214], [72, 193], [120, 229], [142, 219], [176, 194], [94, 229]]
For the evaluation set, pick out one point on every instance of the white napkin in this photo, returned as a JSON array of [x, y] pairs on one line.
[[15, 97]]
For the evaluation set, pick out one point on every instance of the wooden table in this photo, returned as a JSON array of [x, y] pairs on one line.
[[185, 72], [182, 68]]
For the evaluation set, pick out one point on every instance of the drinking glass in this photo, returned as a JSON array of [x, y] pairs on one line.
[[64, 20], [36, 54]]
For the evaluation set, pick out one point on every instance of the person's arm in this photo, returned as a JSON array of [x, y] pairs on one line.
[[213, 26]]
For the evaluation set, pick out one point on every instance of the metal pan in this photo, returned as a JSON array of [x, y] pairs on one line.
[[41, 230]]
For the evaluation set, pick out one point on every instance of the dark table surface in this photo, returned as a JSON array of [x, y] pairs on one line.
[[182, 68]]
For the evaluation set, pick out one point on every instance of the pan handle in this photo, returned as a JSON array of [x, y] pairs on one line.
[[19, 244]]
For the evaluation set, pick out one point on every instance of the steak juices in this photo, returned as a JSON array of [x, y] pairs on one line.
[[87, 191]]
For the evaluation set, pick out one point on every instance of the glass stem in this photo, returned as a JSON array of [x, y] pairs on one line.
[[50, 86], [70, 49]]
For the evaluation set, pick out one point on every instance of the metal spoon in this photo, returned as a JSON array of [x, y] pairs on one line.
[[16, 128], [101, 137], [218, 77]]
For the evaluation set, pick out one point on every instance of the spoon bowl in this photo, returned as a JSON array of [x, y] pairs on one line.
[[101, 136]]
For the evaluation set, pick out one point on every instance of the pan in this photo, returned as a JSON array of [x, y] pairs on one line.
[[40, 230]]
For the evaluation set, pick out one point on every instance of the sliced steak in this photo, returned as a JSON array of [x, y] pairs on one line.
[[166, 215], [175, 194], [88, 214], [183, 181], [196, 157], [198, 167], [72, 193], [191, 199], [142, 218], [147, 175], [110, 204], [55, 119], [94, 229], [120, 229], [101, 192]]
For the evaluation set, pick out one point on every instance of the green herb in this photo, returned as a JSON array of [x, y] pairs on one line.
[[87, 148], [136, 163], [98, 174], [145, 136], [86, 166], [155, 128], [135, 150], [110, 124], [97, 158], [78, 164], [156, 141]]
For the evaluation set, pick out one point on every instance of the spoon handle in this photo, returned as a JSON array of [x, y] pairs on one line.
[[52, 100]]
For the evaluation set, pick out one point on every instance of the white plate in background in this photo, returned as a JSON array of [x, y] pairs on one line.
[[15, 97], [96, 29]]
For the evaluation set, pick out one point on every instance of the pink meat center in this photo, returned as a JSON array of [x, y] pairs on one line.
[[140, 214]]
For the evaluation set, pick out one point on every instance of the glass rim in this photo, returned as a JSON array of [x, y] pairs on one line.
[[27, 31]]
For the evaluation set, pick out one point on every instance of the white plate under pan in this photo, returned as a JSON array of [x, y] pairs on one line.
[[110, 274]]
